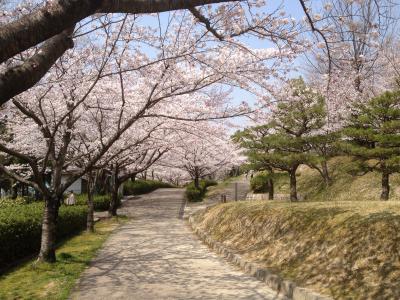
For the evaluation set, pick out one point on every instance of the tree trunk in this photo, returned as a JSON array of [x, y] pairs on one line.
[[90, 213], [48, 243], [90, 216], [112, 211], [325, 173], [293, 185], [385, 186], [14, 191], [271, 189], [197, 182]]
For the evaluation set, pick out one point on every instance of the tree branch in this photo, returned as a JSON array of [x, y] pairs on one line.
[[195, 12], [53, 18], [22, 77]]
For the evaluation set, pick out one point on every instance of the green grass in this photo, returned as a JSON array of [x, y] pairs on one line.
[[346, 249], [34, 280]]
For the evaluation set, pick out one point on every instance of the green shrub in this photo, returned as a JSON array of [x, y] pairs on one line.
[[20, 228], [205, 183], [259, 183], [194, 194], [140, 186], [17, 201], [100, 202]]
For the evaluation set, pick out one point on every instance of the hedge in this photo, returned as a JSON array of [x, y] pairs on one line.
[[194, 194], [140, 186], [100, 202], [20, 228]]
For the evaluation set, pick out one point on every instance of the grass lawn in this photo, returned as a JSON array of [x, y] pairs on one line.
[[346, 249], [55, 281]]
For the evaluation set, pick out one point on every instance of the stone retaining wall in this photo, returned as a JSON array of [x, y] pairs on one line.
[[286, 288]]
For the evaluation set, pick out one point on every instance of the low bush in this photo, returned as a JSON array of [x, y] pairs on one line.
[[205, 183], [140, 186], [21, 226], [100, 202], [194, 194], [8, 201], [259, 183]]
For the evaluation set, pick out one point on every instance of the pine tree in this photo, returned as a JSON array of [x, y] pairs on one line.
[[373, 137], [287, 141]]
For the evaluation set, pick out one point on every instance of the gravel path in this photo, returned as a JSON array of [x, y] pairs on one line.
[[156, 256]]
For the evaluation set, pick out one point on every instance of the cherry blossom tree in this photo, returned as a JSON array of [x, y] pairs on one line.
[[348, 64], [88, 96], [205, 152], [49, 30]]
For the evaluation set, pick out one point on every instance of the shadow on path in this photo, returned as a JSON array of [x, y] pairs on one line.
[[156, 256]]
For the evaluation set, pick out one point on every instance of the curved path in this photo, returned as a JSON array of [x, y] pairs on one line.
[[156, 256]]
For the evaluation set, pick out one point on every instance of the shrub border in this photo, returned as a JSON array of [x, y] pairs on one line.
[[284, 287]]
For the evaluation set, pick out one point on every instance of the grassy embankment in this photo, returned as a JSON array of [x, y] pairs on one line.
[[347, 249], [345, 187], [33, 280]]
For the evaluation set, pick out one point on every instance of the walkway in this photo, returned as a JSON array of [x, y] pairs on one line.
[[156, 256]]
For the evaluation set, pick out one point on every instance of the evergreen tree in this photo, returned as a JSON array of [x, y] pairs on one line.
[[373, 137], [288, 140], [257, 151]]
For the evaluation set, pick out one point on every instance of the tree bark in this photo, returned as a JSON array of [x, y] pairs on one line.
[[196, 182], [22, 77], [42, 24], [90, 214], [14, 191], [325, 173], [112, 211], [47, 251], [293, 185], [385, 186], [115, 183], [271, 189]]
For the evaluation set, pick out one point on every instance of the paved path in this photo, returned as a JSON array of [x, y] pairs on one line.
[[156, 256]]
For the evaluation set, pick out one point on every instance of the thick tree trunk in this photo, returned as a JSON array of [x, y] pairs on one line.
[[14, 192], [293, 185], [271, 189], [197, 182], [112, 211], [48, 243], [385, 186]]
